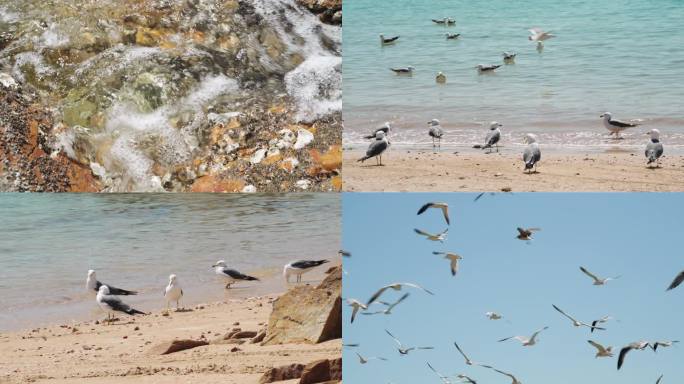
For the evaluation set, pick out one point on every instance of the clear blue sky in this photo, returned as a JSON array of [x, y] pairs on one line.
[[634, 235]]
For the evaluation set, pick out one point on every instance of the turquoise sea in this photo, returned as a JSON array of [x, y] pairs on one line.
[[135, 241], [623, 56]]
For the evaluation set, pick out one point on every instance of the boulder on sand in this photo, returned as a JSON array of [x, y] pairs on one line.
[[321, 371], [176, 345], [285, 372]]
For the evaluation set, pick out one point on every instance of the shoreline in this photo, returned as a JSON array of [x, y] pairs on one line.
[[472, 171]]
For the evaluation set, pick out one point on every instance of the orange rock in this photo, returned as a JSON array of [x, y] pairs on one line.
[[215, 184], [337, 183], [329, 161], [272, 159]]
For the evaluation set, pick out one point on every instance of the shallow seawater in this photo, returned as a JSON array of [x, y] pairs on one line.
[[620, 56], [135, 241]]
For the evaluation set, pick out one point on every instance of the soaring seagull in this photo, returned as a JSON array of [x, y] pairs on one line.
[[638, 345], [435, 132], [526, 233], [654, 148], [615, 126], [390, 306], [93, 285], [515, 381], [434, 237], [173, 292], [356, 305], [493, 136], [445, 379], [396, 287], [404, 350], [601, 350], [467, 359], [376, 148], [453, 258], [231, 276], [364, 360], [598, 280], [388, 40], [599, 321], [387, 127], [532, 153], [654, 346], [537, 35], [677, 280], [300, 267], [110, 303], [437, 205], [526, 341], [575, 322]]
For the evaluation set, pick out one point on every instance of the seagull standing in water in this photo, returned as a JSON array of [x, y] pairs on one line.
[[575, 322], [231, 276], [598, 280], [431, 236], [616, 126], [654, 149], [493, 136], [532, 153], [376, 148], [435, 131], [601, 351], [526, 341], [300, 267], [453, 258], [173, 292], [437, 205], [440, 78], [93, 285], [404, 350], [110, 303], [403, 71], [396, 287], [487, 68]]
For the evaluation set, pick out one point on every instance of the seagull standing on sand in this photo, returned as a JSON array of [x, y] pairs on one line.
[[598, 280], [364, 360], [453, 258], [388, 40], [396, 287], [575, 322], [404, 350], [231, 276], [110, 303], [677, 280], [654, 149], [376, 148], [387, 127], [532, 153], [616, 126], [173, 292], [300, 267], [493, 316], [601, 350], [390, 306], [493, 136], [356, 305], [638, 345], [435, 131], [526, 341], [93, 285], [433, 237], [526, 233], [440, 78], [438, 205]]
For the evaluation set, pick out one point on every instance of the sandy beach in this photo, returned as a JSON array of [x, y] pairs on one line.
[[472, 171]]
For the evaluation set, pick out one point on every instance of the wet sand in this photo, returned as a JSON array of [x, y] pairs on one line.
[[470, 170]]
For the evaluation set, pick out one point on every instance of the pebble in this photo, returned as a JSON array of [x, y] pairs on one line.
[[249, 189], [303, 184], [258, 156]]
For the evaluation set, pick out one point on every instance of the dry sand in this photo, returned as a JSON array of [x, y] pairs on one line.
[[471, 171], [88, 352]]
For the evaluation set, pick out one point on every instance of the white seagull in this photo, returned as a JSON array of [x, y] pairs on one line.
[[654, 346], [575, 322], [526, 341], [598, 280], [231, 276], [110, 303], [356, 305], [396, 287], [93, 285], [601, 350], [404, 350], [616, 126], [440, 78], [453, 258], [390, 306], [467, 359], [599, 321], [537, 35], [364, 360], [493, 316], [515, 380], [639, 345], [434, 237], [437, 205], [300, 267], [173, 292]]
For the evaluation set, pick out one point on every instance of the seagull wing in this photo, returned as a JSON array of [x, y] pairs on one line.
[[376, 295], [424, 208], [395, 339], [586, 272], [677, 280], [418, 287], [445, 211], [534, 335], [622, 124], [623, 354], [507, 338], [454, 266], [421, 232], [461, 352], [660, 378], [564, 314], [356, 309], [598, 346], [397, 302]]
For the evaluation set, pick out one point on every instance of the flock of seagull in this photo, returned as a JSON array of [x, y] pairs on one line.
[[532, 153], [524, 234], [107, 296]]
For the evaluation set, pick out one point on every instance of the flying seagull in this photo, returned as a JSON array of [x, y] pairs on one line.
[[532, 153], [598, 280], [526, 341], [300, 267], [509, 57], [526, 233], [660, 378], [364, 360], [493, 136], [467, 359], [537, 35], [390, 306], [482, 68], [434, 237], [616, 126], [493, 316], [387, 40], [344, 253], [515, 381], [356, 305], [601, 350], [654, 346], [435, 131], [110, 303], [396, 287], [231, 276], [93, 285], [677, 280], [376, 148], [403, 70], [173, 292], [575, 322], [599, 321], [453, 258], [404, 350], [445, 379], [639, 345], [654, 149], [443, 206], [387, 127]]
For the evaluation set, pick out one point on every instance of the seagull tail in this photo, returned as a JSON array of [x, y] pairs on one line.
[[135, 312], [529, 164], [363, 159]]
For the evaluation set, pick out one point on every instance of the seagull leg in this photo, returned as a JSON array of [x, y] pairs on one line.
[[497, 147]]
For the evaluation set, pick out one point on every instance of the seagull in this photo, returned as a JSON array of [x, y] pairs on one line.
[[660, 378], [344, 253], [452, 36], [376, 148], [354, 345], [440, 78], [509, 57], [515, 381], [396, 287], [677, 280], [467, 359], [493, 316], [654, 346], [403, 350], [598, 280], [615, 126], [300, 267], [454, 258], [493, 136], [538, 36], [403, 70], [446, 20], [173, 292], [526, 341], [599, 321], [445, 379], [526, 233], [364, 360], [435, 131], [387, 127], [487, 68], [390, 306], [640, 345], [110, 303], [387, 40], [230, 275], [602, 351], [577, 323], [654, 149], [92, 284], [356, 305], [532, 153], [434, 237], [443, 206]]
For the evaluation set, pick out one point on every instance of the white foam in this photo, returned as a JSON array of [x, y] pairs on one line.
[[316, 87]]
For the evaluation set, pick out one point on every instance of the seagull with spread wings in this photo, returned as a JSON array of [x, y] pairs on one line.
[[356, 305], [364, 360], [515, 380], [467, 359], [598, 280], [601, 350], [638, 345], [390, 306], [576, 322], [443, 206], [526, 341], [396, 287], [431, 236], [453, 258], [404, 350]]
